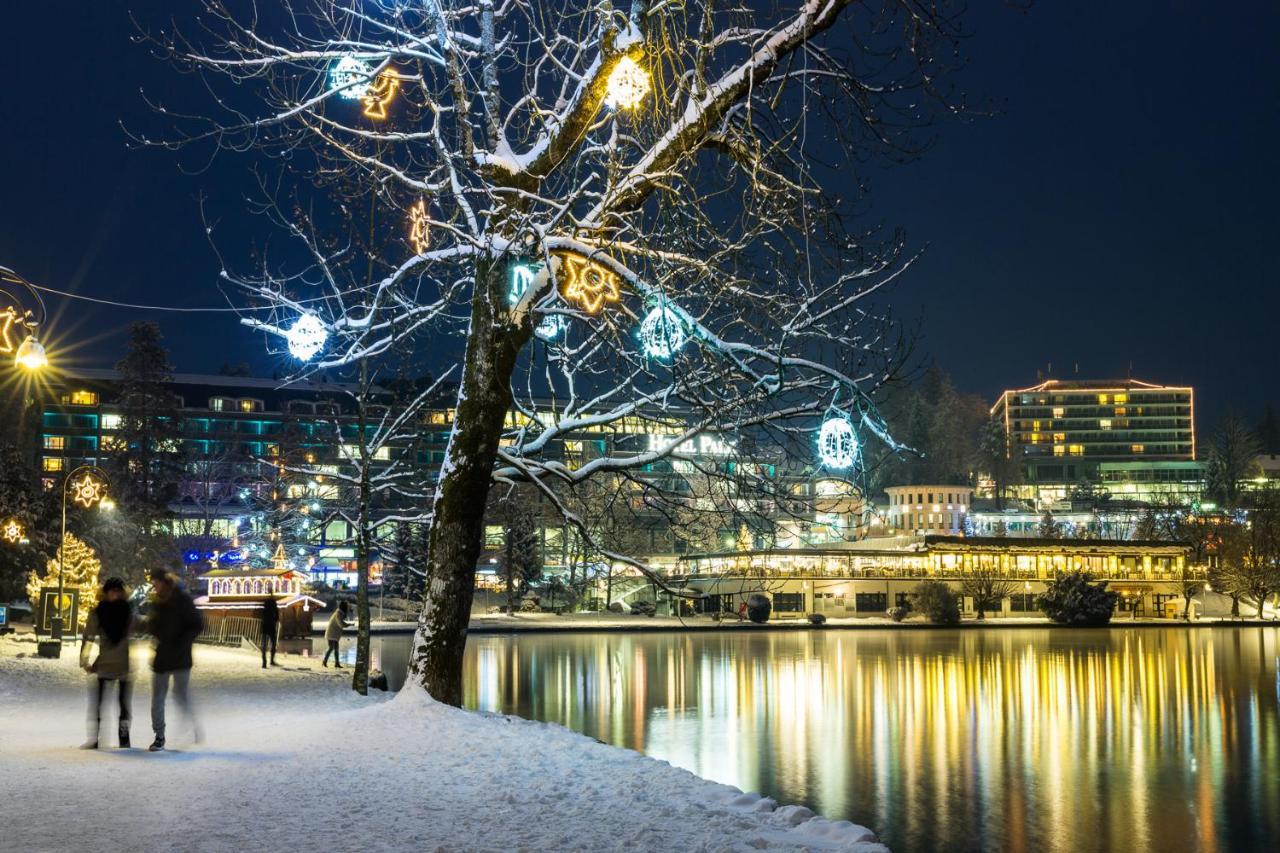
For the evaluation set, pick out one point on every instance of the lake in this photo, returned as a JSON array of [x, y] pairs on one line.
[[1037, 739]]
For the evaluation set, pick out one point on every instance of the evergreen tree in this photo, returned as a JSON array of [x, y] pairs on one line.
[[1049, 529], [147, 465], [31, 508], [79, 567], [1269, 433]]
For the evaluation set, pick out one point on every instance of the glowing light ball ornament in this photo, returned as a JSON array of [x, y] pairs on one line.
[[307, 337], [627, 85], [837, 443], [662, 333], [350, 77]]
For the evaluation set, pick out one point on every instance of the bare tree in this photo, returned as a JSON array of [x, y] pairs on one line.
[[987, 586], [637, 184]]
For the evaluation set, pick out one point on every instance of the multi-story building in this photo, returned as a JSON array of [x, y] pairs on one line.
[[928, 509], [1135, 437]]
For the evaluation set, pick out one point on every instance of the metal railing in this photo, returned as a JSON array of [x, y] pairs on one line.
[[230, 630]]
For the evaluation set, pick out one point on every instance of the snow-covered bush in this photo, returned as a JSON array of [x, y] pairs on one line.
[[937, 602], [1075, 600]]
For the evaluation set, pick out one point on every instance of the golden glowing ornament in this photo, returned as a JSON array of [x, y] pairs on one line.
[[589, 284], [87, 491], [12, 531], [627, 86], [380, 93], [7, 318], [419, 235]]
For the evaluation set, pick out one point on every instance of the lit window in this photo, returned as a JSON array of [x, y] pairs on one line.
[[1121, 411], [1059, 450], [1102, 399], [1035, 438], [54, 442], [110, 422], [1076, 449], [250, 405], [573, 446], [1058, 411], [1059, 437], [1120, 398], [1104, 424], [113, 444], [81, 398], [53, 463], [1137, 448], [439, 418]]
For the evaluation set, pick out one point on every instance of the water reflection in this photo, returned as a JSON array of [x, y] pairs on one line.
[[1021, 740]]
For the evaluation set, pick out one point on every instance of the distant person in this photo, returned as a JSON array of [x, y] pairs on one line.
[[174, 624], [109, 625], [270, 621], [333, 634]]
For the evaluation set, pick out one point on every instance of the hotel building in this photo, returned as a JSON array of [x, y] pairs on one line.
[[1133, 438]]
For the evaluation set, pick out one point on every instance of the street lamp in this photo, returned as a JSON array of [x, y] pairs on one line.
[[30, 354], [90, 489]]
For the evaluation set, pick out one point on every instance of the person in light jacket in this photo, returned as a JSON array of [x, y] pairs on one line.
[[333, 634], [109, 625]]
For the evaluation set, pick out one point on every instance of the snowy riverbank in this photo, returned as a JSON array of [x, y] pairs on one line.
[[293, 758]]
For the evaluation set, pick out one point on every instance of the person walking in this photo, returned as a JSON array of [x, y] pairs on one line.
[[174, 623], [333, 634], [109, 625], [270, 623]]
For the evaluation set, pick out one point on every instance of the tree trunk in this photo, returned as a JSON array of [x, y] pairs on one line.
[[457, 522], [360, 676]]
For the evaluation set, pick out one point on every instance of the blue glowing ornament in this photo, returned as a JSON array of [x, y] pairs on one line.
[[551, 327], [307, 337], [837, 442], [522, 277], [662, 333], [350, 77]]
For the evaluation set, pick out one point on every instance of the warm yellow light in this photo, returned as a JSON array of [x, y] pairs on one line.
[[419, 235], [628, 84], [589, 284], [12, 531], [87, 491], [380, 93], [31, 355], [108, 504], [7, 318]]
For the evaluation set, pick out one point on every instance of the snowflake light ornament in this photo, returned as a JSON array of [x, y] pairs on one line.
[[551, 327], [589, 284], [86, 491], [350, 77], [837, 442], [627, 85], [306, 337], [662, 333]]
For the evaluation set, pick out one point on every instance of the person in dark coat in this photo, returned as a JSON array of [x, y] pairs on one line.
[[174, 623], [109, 625], [270, 622]]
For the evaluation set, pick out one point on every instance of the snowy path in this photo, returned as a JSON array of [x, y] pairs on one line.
[[295, 760]]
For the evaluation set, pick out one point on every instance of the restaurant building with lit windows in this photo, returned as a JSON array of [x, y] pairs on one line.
[[869, 577], [1132, 438]]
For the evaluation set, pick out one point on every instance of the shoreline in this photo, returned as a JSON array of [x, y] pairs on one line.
[[491, 625]]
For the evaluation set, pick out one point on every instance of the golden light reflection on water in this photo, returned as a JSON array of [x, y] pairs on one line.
[[1023, 740]]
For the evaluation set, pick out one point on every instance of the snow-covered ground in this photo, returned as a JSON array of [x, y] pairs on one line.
[[293, 759]]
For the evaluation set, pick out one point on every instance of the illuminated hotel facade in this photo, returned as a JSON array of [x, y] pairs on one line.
[[1135, 439]]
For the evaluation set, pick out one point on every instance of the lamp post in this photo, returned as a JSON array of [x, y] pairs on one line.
[[90, 489]]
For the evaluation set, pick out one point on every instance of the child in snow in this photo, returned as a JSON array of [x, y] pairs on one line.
[[110, 624], [333, 633]]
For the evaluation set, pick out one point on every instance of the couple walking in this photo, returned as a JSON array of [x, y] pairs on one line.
[[173, 623]]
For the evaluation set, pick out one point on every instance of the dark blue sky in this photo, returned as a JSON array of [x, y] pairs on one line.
[[1120, 208]]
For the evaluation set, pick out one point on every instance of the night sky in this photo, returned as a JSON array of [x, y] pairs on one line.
[[1120, 207]]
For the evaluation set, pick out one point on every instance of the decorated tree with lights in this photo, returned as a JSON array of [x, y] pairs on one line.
[[79, 566], [613, 218]]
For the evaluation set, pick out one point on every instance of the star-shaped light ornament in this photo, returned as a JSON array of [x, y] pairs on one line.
[[86, 491], [588, 284], [419, 227], [12, 531]]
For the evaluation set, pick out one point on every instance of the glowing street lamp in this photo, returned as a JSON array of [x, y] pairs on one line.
[[31, 355]]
